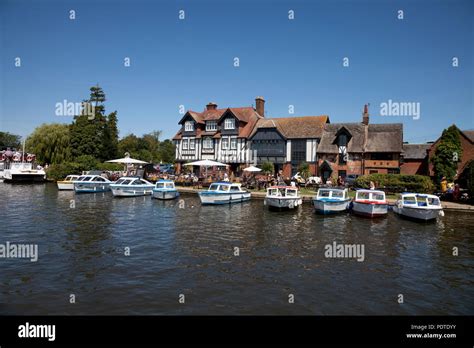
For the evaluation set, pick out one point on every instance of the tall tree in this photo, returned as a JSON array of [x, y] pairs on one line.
[[9, 140], [95, 135], [50, 143], [447, 154]]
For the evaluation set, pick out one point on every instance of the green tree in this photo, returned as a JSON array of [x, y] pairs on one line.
[[268, 167], [50, 143], [304, 170], [447, 154], [166, 151], [95, 135], [9, 140]]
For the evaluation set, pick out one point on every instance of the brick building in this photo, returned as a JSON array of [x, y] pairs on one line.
[[467, 144], [415, 159], [360, 148]]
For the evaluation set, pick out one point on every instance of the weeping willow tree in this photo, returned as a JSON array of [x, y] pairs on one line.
[[50, 143]]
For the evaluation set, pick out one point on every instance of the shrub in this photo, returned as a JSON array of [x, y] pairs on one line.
[[60, 171], [396, 182]]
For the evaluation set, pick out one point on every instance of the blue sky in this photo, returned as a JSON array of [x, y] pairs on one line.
[[190, 62]]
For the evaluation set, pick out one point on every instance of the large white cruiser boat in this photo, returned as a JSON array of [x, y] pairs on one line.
[[421, 207], [283, 197], [22, 172], [224, 193]]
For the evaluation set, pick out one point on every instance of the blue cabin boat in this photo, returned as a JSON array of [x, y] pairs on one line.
[[331, 200], [164, 190]]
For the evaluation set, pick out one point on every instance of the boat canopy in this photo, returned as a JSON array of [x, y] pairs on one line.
[[333, 193], [420, 200], [370, 195]]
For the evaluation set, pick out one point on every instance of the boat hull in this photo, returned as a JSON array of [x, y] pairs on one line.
[[24, 178], [207, 197], [370, 209], [419, 214], [283, 203], [66, 186], [165, 194], [327, 207], [91, 187]]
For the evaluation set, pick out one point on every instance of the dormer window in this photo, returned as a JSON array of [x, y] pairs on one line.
[[189, 126], [342, 140], [211, 126], [229, 123]]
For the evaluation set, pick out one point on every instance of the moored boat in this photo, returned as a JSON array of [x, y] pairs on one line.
[[331, 201], [421, 207], [283, 197], [23, 172], [224, 193], [370, 203], [67, 183], [131, 187], [164, 190], [91, 184]]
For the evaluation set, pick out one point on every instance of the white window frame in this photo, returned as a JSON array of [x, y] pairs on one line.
[[211, 126], [225, 143], [207, 143], [189, 126], [233, 143], [227, 123], [192, 144], [185, 144]]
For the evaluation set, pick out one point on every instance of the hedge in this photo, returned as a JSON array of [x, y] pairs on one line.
[[396, 182]]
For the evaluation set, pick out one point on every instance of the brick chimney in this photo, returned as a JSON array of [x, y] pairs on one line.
[[365, 115], [211, 106], [260, 106]]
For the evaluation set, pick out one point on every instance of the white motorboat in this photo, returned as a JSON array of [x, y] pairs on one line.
[[331, 201], [370, 203], [164, 190], [91, 184], [224, 193], [283, 197], [131, 187], [421, 207], [67, 183]]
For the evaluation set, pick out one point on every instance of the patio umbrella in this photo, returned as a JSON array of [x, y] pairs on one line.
[[206, 163], [252, 169], [127, 160]]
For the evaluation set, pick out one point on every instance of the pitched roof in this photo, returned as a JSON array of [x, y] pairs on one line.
[[386, 137], [415, 151], [371, 138], [295, 127], [356, 141], [247, 115], [469, 134]]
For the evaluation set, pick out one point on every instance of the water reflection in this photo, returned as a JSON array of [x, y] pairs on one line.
[[190, 249]]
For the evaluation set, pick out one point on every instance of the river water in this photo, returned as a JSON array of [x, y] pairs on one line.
[[189, 249]]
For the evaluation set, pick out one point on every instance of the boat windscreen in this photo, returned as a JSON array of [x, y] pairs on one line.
[[338, 194], [433, 201], [378, 196], [213, 187]]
